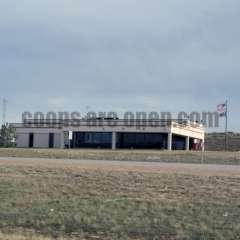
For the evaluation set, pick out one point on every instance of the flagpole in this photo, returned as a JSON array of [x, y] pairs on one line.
[[226, 126]]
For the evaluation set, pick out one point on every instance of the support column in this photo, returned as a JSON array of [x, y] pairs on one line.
[[170, 141], [62, 144], [114, 138], [203, 145], [187, 143]]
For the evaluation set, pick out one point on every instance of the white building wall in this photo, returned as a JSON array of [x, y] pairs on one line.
[[57, 140], [22, 140], [41, 137], [41, 140]]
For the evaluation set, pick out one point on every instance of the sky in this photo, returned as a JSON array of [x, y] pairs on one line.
[[120, 55]]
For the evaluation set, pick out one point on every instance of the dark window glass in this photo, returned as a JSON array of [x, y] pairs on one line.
[[92, 139], [142, 140], [51, 140], [31, 140]]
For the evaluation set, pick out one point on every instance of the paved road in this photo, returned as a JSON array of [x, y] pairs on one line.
[[152, 167]]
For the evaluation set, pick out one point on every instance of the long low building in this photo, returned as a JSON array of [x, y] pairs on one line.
[[111, 133]]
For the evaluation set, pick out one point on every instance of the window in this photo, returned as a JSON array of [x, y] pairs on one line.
[[51, 140], [31, 140]]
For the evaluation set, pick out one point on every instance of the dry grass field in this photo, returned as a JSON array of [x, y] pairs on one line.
[[216, 141], [127, 155], [47, 199]]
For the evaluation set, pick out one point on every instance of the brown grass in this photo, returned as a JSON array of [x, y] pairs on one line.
[[21, 236], [127, 155], [73, 203]]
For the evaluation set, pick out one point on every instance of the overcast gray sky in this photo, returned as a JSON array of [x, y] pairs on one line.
[[120, 55]]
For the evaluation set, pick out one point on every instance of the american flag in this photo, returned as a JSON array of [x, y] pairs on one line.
[[222, 109]]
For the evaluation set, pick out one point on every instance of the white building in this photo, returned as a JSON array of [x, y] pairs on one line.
[[111, 133]]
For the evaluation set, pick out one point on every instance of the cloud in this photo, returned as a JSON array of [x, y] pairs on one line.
[[57, 102], [128, 54]]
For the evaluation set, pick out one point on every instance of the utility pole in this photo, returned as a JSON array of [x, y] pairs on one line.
[[4, 110], [226, 127]]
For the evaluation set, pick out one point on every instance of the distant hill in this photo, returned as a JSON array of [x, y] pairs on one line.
[[216, 141]]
